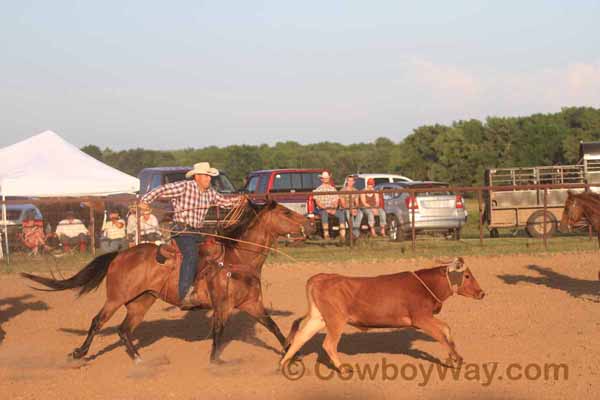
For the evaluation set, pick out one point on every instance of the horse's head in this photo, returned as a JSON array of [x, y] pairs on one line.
[[282, 221], [571, 214]]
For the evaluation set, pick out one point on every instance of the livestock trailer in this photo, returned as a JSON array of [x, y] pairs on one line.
[[524, 208]]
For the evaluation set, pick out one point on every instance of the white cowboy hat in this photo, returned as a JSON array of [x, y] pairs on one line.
[[325, 175], [202, 168]]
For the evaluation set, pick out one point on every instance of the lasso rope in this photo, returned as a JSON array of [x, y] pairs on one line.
[[232, 217], [229, 238]]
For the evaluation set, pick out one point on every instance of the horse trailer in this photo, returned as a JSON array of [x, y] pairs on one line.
[[524, 208]]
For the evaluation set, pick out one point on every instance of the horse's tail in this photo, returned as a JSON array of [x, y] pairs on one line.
[[88, 279]]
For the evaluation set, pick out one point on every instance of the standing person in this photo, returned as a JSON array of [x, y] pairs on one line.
[[191, 200], [72, 232], [113, 233], [371, 207], [356, 213], [328, 206]]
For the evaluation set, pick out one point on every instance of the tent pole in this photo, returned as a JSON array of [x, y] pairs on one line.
[[92, 229], [4, 218]]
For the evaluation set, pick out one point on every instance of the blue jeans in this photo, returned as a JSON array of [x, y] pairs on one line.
[[338, 213], [371, 216], [356, 220], [188, 245]]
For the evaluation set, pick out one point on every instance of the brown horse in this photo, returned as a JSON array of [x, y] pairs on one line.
[[577, 206], [136, 277]]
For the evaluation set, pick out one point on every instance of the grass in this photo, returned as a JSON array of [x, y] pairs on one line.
[[509, 242]]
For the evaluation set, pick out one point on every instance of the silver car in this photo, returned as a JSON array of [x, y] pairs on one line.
[[436, 210]]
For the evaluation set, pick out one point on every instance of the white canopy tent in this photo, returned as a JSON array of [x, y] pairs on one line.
[[45, 165]]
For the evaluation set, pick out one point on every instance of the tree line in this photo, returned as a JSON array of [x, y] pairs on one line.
[[458, 153]]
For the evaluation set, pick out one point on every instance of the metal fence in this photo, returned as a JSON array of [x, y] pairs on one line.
[[92, 211], [476, 192]]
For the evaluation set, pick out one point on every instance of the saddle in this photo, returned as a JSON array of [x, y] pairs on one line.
[[209, 250]]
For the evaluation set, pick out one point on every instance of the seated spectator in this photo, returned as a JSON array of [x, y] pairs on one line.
[[33, 235], [149, 228], [356, 212], [72, 232], [371, 208], [328, 206], [113, 233]]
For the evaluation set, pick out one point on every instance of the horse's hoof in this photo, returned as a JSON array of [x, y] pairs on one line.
[[217, 361], [77, 354], [455, 360], [137, 360]]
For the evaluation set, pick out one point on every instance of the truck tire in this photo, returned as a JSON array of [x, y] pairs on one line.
[[396, 232], [456, 234], [535, 224]]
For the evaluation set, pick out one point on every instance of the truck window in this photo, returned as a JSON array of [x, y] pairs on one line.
[[252, 184], [310, 181], [174, 177], [264, 182], [359, 183], [296, 182], [282, 183], [155, 182], [222, 184]]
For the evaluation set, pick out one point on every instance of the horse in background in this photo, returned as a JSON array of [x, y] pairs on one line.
[[578, 206]]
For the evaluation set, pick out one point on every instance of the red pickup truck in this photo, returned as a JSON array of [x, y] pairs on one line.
[[298, 185]]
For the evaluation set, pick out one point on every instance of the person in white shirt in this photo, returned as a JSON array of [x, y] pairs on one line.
[[149, 228], [113, 233], [72, 232]]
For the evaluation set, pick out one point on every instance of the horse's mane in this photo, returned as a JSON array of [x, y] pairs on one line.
[[590, 196], [247, 219]]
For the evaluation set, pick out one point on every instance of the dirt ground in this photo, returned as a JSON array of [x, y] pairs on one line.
[[539, 310]]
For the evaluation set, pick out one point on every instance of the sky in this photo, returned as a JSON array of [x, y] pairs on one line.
[[172, 75]]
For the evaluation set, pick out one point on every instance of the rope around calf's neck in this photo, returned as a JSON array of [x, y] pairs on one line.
[[427, 287]]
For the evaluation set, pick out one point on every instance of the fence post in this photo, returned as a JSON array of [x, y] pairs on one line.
[[480, 201], [138, 223], [412, 202], [587, 189], [350, 221], [545, 210]]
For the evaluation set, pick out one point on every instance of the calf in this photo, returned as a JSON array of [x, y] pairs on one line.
[[386, 301]]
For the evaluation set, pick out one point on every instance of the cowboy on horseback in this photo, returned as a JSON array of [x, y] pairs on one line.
[[191, 200]]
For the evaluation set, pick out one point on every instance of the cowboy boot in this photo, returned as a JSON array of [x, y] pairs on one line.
[[189, 301]]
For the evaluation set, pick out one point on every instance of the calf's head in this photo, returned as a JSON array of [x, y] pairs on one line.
[[462, 280]]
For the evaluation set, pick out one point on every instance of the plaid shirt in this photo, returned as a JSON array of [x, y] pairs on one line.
[[190, 205], [327, 201]]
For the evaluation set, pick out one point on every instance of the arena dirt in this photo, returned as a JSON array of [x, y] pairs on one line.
[[539, 310]]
